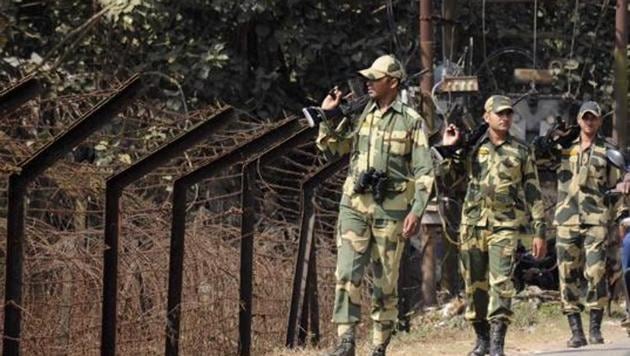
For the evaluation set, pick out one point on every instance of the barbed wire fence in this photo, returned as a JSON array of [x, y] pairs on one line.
[[63, 266]]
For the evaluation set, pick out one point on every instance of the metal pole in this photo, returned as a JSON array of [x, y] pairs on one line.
[[176, 263], [448, 30], [313, 294], [248, 205], [426, 59], [304, 314], [14, 262], [307, 222], [115, 186], [110, 268], [620, 120], [305, 265], [247, 229], [309, 214], [178, 227], [45, 157]]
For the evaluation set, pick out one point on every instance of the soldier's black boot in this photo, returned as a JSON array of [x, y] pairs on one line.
[[482, 346], [594, 329], [577, 333], [346, 345], [497, 337]]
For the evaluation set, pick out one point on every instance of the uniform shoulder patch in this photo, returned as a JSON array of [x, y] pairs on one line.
[[483, 151], [571, 151]]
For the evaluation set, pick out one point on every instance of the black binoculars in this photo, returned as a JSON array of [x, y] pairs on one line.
[[374, 181]]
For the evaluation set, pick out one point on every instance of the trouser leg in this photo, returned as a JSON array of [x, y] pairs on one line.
[[353, 241], [595, 267], [474, 268], [386, 253], [569, 245], [595, 239], [501, 248]]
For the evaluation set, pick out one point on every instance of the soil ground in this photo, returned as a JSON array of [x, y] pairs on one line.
[[536, 329]]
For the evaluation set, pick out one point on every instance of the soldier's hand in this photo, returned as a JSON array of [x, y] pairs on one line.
[[451, 135], [623, 187], [333, 99], [410, 225], [566, 137], [539, 248]]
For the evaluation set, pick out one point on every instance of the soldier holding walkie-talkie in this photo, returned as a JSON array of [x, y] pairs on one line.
[[386, 191]]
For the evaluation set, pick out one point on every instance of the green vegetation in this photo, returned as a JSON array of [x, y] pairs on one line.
[[274, 56]]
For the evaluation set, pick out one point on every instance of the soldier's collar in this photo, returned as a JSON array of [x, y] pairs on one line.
[[396, 105], [486, 137], [599, 139]]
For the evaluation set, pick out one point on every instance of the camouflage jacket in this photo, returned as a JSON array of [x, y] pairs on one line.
[[585, 202], [502, 186], [392, 142]]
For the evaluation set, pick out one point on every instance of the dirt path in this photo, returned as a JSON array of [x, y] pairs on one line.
[[549, 339], [544, 334]]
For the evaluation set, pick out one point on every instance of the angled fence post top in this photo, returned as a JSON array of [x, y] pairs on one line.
[[29, 170], [240, 153], [114, 187], [172, 148], [91, 121], [178, 226], [298, 138], [324, 172], [19, 93]]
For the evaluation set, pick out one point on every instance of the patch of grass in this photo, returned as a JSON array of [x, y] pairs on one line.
[[529, 313]]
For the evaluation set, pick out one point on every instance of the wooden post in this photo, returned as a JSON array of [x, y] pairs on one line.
[[620, 120]]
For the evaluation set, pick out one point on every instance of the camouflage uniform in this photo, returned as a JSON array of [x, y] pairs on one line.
[[392, 142], [582, 218], [503, 184]]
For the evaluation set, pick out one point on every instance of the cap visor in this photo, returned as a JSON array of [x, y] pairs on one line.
[[503, 107], [582, 113], [371, 74]]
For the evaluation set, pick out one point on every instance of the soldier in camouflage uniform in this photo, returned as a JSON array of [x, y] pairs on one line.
[[583, 214], [388, 185], [503, 186]]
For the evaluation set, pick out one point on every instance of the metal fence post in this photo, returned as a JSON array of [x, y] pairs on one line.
[[93, 120], [178, 227], [115, 186], [248, 219], [305, 258]]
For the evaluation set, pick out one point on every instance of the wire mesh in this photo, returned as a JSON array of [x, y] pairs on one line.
[[63, 266]]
